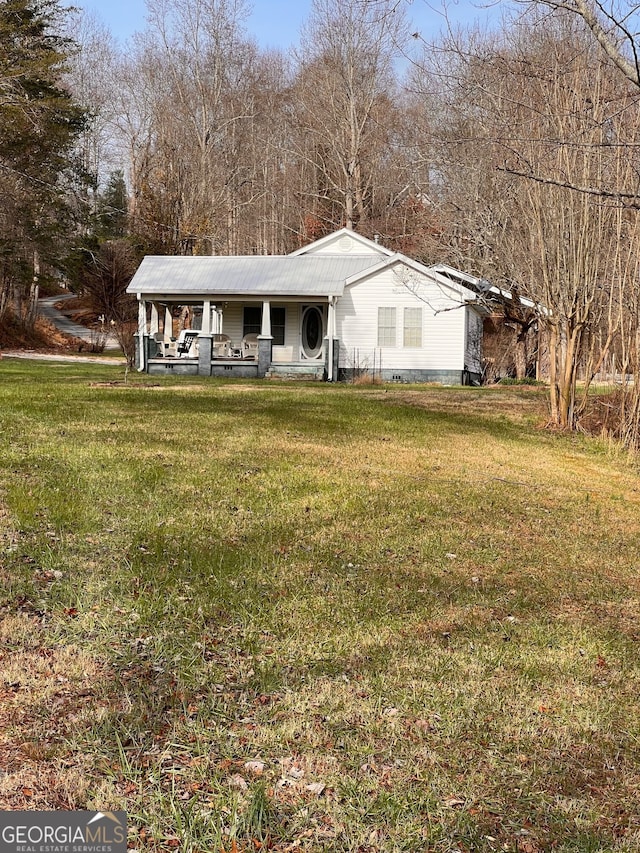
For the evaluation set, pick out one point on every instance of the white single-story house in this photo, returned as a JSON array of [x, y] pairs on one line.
[[339, 307]]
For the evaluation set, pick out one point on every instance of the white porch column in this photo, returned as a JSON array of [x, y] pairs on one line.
[[265, 330], [331, 319], [142, 334], [206, 317], [155, 326], [168, 324], [331, 334], [265, 341]]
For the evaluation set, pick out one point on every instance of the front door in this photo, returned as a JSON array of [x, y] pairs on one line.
[[312, 331]]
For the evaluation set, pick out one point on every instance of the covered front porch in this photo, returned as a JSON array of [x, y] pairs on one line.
[[240, 338]]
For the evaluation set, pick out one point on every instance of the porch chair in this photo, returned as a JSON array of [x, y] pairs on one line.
[[249, 346], [221, 345], [186, 339], [158, 337], [164, 347]]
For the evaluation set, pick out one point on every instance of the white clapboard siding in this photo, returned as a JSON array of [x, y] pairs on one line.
[[344, 242], [232, 323], [443, 322]]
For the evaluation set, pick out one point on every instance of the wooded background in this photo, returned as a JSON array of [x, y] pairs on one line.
[[510, 153]]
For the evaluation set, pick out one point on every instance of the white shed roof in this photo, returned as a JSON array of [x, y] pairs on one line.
[[247, 275]]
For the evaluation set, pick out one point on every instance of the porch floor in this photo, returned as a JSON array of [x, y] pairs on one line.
[[236, 367]]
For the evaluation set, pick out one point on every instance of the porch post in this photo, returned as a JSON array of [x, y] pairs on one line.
[[206, 317], [332, 352], [168, 324], [155, 326], [204, 355], [142, 335], [265, 340], [205, 341], [265, 331]]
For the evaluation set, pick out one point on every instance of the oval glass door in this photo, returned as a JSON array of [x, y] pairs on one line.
[[312, 332]]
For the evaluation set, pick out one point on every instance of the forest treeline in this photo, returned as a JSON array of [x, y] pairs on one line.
[[511, 153]]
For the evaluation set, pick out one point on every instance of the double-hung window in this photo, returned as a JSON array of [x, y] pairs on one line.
[[386, 327], [252, 320], [278, 322], [412, 334]]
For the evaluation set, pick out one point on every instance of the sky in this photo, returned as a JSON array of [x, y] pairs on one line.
[[276, 23]]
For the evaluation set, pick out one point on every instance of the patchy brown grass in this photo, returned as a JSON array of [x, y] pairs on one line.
[[301, 618], [45, 693], [522, 403]]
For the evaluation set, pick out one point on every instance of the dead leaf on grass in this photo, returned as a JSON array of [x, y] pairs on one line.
[[528, 845], [237, 781]]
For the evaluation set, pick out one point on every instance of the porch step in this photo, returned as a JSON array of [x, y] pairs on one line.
[[296, 371]]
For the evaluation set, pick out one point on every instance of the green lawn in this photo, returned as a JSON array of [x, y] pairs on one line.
[[267, 616]]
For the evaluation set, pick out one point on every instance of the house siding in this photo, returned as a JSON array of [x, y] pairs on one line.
[[443, 346], [232, 322], [345, 245]]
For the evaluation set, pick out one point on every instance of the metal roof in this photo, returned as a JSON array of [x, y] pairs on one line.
[[247, 275]]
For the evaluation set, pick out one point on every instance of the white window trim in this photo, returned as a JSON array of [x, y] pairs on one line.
[[390, 328], [413, 329]]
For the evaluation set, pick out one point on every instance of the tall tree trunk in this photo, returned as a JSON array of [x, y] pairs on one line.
[[521, 352], [554, 396], [568, 372]]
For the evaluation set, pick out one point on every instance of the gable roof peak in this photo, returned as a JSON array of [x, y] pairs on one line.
[[344, 241]]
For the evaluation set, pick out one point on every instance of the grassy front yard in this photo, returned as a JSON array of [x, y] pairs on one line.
[[308, 618]]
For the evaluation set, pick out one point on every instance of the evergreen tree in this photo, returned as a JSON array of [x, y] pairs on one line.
[[112, 208], [39, 123]]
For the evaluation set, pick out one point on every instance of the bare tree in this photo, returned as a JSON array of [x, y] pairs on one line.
[[89, 77], [205, 65], [104, 274], [535, 113], [343, 89], [613, 25]]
